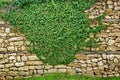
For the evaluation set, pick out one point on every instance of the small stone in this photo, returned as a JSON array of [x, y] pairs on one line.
[[48, 66], [40, 71], [78, 70], [18, 64], [116, 60], [60, 66], [9, 65], [100, 63], [110, 6], [112, 66], [34, 57], [94, 60], [1, 40], [33, 63], [62, 70], [83, 65], [38, 67], [1, 66], [24, 73], [13, 39], [24, 58], [7, 30], [52, 70], [12, 58], [91, 17], [104, 56], [112, 48], [71, 72], [111, 42], [2, 22], [10, 48], [89, 69], [109, 2]]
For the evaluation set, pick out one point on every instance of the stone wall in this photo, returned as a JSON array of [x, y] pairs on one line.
[[109, 38], [11, 40], [16, 62], [23, 65]]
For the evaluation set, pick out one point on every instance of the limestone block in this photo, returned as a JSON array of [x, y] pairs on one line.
[[111, 42], [62, 70], [12, 73], [24, 73], [71, 72], [33, 58], [60, 66], [9, 65], [40, 71], [18, 64], [24, 58], [7, 30], [52, 70], [2, 66], [33, 63], [38, 67], [48, 67], [10, 48], [1, 40], [100, 63], [12, 58]]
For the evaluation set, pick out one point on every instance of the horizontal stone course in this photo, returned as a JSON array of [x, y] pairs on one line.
[[102, 64]]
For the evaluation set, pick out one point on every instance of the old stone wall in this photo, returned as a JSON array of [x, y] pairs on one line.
[[16, 62], [23, 65], [110, 37]]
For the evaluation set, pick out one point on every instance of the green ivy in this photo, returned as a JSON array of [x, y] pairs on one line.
[[57, 30]]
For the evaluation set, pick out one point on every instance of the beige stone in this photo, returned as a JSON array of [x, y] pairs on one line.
[[48, 66], [10, 48], [12, 73], [1, 66], [24, 73], [100, 63], [114, 34], [60, 66], [33, 63], [3, 49], [62, 70], [81, 56], [18, 64], [7, 30], [52, 70], [34, 57], [111, 42], [112, 48], [24, 58], [9, 65], [71, 72]]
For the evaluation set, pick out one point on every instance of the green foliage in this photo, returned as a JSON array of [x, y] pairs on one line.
[[56, 32]]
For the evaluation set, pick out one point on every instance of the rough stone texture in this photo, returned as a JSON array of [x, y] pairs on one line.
[[110, 38], [16, 62]]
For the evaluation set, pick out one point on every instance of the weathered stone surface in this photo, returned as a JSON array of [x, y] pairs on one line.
[[34, 57], [60, 66], [71, 72], [111, 42], [35, 63], [24, 58], [1, 66], [18, 64]]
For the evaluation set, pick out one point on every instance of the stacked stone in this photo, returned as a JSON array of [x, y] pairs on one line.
[[11, 41], [109, 38], [24, 65], [101, 65], [110, 7]]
